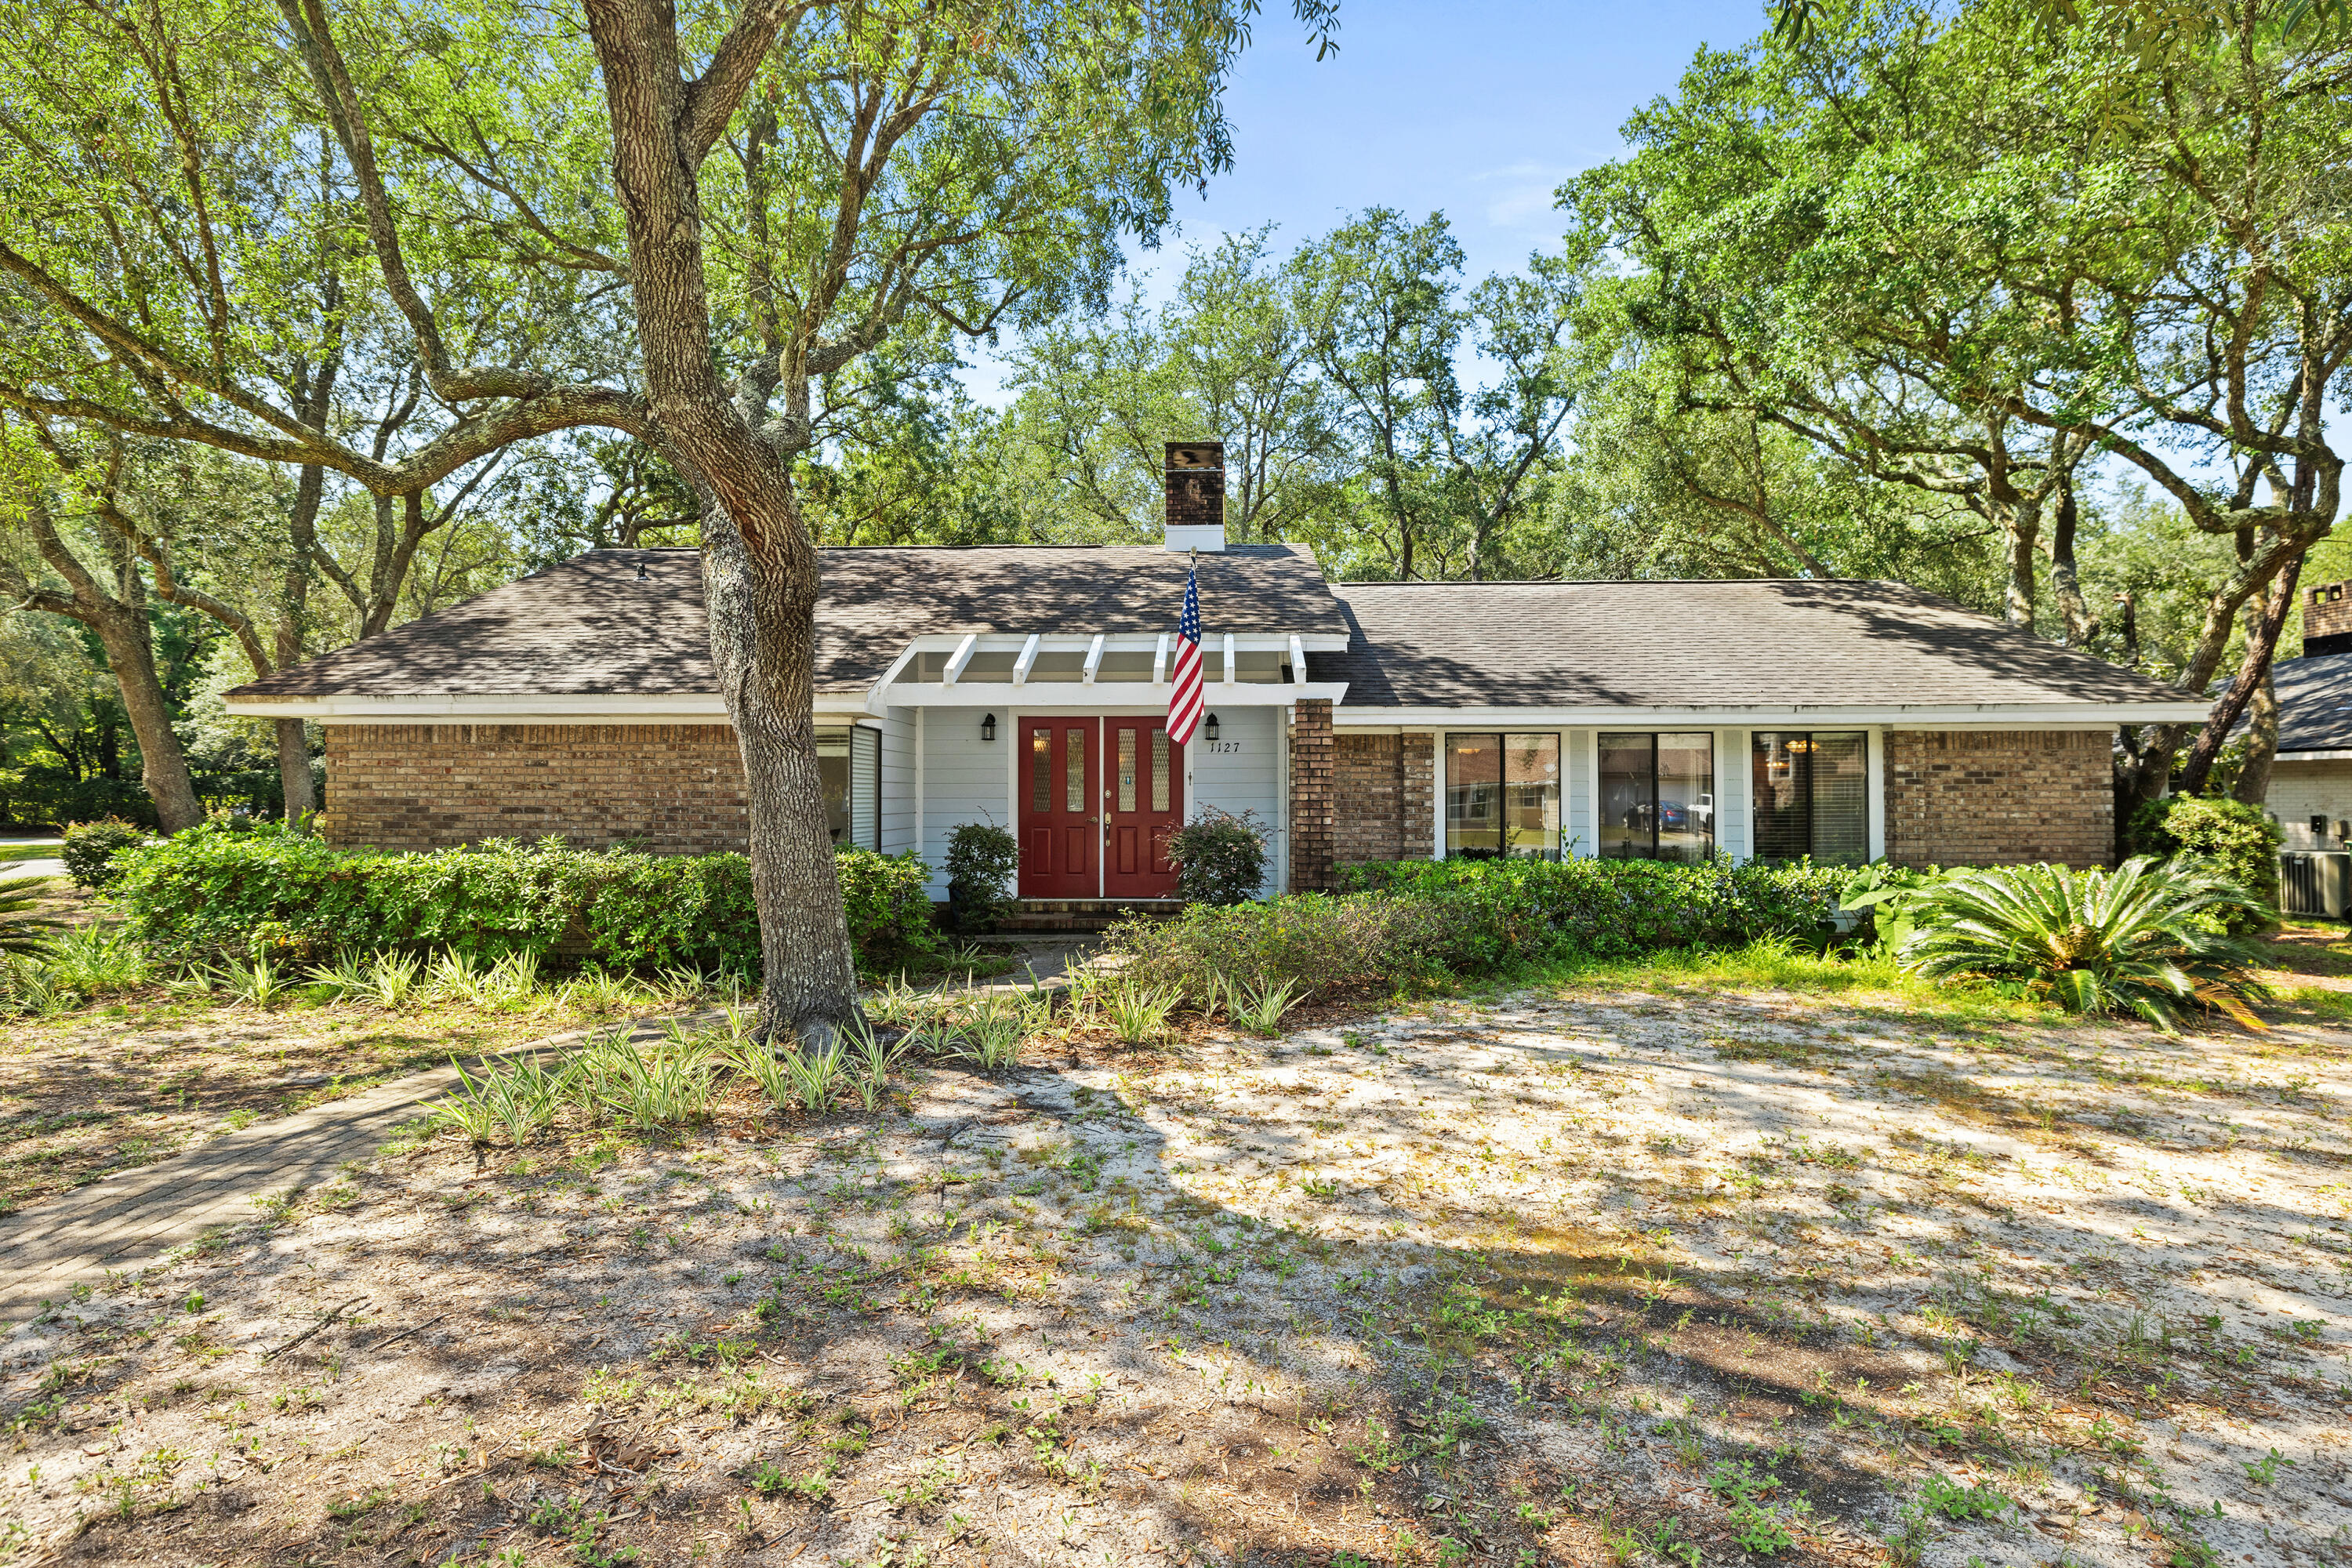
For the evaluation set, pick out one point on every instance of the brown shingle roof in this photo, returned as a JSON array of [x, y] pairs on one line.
[[591, 625], [1700, 645]]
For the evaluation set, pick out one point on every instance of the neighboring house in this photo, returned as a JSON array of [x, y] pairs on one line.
[[1026, 686], [2311, 782]]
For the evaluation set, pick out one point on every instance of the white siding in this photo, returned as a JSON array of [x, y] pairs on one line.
[[898, 800], [2300, 791], [1732, 834], [1577, 823], [965, 779], [1249, 779]]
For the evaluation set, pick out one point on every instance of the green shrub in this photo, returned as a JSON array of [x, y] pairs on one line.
[[982, 859], [1507, 912], [1323, 942], [2142, 939], [215, 890], [1220, 857], [2234, 840], [90, 848]]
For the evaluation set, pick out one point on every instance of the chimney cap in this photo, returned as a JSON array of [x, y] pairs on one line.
[[1196, 455]]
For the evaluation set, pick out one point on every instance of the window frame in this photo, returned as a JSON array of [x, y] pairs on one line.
[[1714, 793], [1561, 843], [1811, 751]]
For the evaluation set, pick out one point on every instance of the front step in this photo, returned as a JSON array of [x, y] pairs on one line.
[[1084, 915]]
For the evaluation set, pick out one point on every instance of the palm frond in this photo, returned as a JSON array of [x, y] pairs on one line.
[[24, 929]]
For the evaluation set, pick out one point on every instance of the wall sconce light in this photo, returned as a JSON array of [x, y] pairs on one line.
[[988, 727], [1210, 729]]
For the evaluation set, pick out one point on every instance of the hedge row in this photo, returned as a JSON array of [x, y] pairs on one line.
[[1413, 921], [217, 889]]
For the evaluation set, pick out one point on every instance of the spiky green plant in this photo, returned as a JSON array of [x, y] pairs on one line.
[[2146, 938], [23, 928]]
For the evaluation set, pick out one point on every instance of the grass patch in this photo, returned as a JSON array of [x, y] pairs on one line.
[[1771, 964]]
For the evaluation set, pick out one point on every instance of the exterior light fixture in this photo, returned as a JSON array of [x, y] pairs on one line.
[[1210, 729], [988, 727]]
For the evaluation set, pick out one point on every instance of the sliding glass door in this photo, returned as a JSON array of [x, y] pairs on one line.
[[1655, 798]]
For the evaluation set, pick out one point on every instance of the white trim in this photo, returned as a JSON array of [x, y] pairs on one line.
[[1437, 795], [1283, 722], [923, 795], [1094, 660], [1160, 662], [1229, 660], [1046, 697], [527, 708], [1985, 715], [958, 660], [1874, 743], [2285, 757], [1026, 662], [1298, 660]]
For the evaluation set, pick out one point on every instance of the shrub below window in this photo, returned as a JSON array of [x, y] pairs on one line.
[[1411, 923], [982, 859], [215, 890]]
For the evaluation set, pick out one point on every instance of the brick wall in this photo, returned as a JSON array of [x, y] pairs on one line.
[[673, 788], [1311, 811], [1383, 792], [1963, 797]]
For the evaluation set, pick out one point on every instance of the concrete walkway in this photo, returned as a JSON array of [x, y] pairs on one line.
[[130, 1220]]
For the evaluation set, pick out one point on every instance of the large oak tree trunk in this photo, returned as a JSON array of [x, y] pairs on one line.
[[760, 567]]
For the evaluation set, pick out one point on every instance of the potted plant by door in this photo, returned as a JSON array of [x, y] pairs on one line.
[[981, 858]]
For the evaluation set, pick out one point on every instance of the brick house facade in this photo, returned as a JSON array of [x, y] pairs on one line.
[[1030, 687], [673, 789], [1999, 797]]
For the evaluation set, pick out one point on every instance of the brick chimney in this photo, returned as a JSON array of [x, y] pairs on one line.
[[2326, 615], [1196, 495]]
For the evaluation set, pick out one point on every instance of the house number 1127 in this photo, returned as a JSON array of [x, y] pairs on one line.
[[1225, 748]]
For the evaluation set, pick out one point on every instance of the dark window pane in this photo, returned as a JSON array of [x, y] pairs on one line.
[[1780, 772], [1474, 796], [1074, 764], [1685, 796], [1628, 797], [1041, 771], [1841, 798], [1531, 796]]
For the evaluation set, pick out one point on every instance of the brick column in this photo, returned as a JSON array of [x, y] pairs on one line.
[[1311, 798], [1417, 771]]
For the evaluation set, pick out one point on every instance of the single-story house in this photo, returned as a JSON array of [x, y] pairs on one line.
[[2311, 780], [1028, 685]]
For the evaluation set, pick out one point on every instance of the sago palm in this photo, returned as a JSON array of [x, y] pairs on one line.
[[23, 928], [2145, 937]]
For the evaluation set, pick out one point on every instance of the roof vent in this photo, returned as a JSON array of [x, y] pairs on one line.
[[1196, 495]]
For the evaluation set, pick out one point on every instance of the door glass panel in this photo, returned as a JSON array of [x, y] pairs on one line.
[[1531, 796], [1041, 770], [1685, 796], [1159, 771], [1473, 796], [1074, 763], [1628, 797], [1126, 768]]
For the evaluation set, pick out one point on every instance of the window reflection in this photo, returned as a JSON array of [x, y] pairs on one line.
[[1657, 797], [1502, 796]]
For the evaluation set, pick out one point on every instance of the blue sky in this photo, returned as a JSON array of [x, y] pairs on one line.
[[1479, 110]]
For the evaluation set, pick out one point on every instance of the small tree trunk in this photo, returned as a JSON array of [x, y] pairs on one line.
[[162, 765], [2254, 785], [2251, 673], [294, 776], [2023, 527], [2065, 578]]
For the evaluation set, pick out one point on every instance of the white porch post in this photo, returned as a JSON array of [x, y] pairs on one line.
[[1875, 740]]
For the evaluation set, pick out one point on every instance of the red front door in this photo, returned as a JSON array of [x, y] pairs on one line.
[[1142, 804], [1060, 765]]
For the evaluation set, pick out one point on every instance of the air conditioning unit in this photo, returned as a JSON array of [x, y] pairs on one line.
[[2316, 882]]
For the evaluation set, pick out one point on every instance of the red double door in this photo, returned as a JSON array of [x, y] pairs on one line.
[[1099, 799]]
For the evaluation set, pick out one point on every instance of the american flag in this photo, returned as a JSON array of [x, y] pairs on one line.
[[1184, 704]]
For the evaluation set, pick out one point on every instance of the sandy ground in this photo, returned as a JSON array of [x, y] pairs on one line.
[[1582, 1277]]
